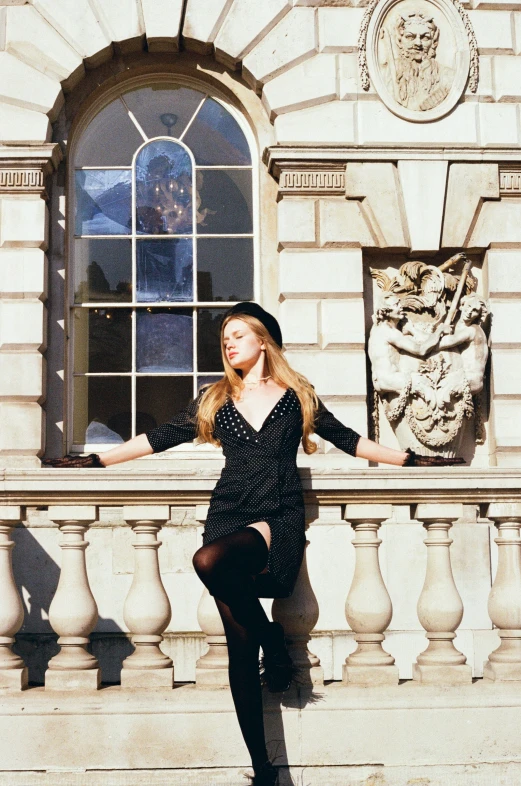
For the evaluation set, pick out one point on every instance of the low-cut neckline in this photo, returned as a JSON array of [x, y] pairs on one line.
[[274, 407]]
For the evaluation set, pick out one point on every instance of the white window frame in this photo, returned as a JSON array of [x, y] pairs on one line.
[[108, 98]]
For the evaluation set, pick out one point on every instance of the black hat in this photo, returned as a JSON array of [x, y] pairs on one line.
[[254, 310]]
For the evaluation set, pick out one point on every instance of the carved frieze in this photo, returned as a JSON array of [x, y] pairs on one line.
[[16, 181], [510, 180], [312, 181], [24, 169], [419, 55]]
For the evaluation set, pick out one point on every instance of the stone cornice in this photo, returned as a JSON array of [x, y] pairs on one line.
[[191, 487], [23, 170], [285, 158]]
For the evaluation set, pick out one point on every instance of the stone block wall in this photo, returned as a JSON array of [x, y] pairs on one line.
[[321, 293]]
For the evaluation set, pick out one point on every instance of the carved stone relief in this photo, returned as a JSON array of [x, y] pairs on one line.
[[428, 353], [419, 55]]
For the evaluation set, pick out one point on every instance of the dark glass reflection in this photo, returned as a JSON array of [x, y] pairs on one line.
[[209, 356], [164, 340], [103, 202], [120, 138], [207, 379], [158, 399], [108, 407], [102, 270], [164, 270], [215, 137], [150, 104], [108, 332], [163, 190], [225, 201], [225, 268]]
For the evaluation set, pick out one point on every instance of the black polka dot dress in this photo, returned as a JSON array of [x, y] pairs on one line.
[[260, 481]]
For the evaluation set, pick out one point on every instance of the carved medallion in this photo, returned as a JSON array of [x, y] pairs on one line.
[[419, 55]]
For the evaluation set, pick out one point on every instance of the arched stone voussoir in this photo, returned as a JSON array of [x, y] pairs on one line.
[[202, 23], [77, 23], [245, 25], [163, 24], [123, 23], [293, 40], [25, 87], [32, 39], [23, 126]]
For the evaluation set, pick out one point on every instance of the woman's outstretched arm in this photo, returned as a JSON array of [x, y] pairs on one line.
[[133, 449], [367, 449]]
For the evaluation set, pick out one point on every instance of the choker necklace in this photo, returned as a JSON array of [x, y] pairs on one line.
[[257, 381], [253, 386]]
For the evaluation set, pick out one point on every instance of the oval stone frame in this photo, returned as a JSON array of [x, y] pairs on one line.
[[462, 55]]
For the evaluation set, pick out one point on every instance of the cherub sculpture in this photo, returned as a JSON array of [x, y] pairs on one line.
[[425, 368]]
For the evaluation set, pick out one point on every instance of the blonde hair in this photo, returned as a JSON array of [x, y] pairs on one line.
[[216, 395]]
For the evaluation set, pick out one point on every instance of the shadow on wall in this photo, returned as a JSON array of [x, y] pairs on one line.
[[37, 575]]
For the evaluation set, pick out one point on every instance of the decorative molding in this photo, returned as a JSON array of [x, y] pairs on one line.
[[312, 181], [23, 169], [280, 158], [510, 180], [25, 181], [437, 102]]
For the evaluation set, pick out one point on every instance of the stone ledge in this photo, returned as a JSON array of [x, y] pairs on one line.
[[283, 156], [336, 725], [455, 775]]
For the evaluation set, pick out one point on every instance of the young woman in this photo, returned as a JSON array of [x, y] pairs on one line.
[[254, 538]]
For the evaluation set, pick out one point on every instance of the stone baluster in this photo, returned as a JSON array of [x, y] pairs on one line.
[[73, 612], [147, 610], [298, 615], [504, 603], [13, 672], [212, 667], [368, 605], [440, 608]]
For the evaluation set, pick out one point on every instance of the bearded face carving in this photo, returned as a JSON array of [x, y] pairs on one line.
[[413, 74]]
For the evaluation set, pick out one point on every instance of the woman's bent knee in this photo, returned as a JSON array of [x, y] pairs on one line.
[[202, 561]]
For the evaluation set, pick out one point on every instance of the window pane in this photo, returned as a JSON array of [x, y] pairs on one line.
[[159, 398], [101, 409], [103, 340], [103, 199], [111, 139], [216, 138], [209, 339], [102, 270], [163, 190], [164, 270], [164, 340], [207, 379], [161, 110], [225, 201], [225, 269]]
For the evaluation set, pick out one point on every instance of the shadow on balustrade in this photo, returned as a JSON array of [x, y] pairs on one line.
[[297, 697], [36, 575]]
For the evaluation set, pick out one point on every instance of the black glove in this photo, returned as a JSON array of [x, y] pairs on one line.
[[92, 460], [414, 460]]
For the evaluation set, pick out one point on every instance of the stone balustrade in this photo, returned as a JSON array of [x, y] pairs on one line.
[[154, 595]]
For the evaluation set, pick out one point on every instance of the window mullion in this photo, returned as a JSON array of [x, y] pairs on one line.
[[192, 119]]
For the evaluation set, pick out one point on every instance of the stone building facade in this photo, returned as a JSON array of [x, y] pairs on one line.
[[301, 153]]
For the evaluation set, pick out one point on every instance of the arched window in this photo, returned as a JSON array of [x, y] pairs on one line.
[[163, 243]]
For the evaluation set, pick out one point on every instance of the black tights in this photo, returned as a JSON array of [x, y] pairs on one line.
[[227, 566]]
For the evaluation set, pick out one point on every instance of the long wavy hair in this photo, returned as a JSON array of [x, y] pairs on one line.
[[231, 385]]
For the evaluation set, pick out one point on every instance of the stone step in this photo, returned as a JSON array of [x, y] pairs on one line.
[[499, 774], [323, 734]]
